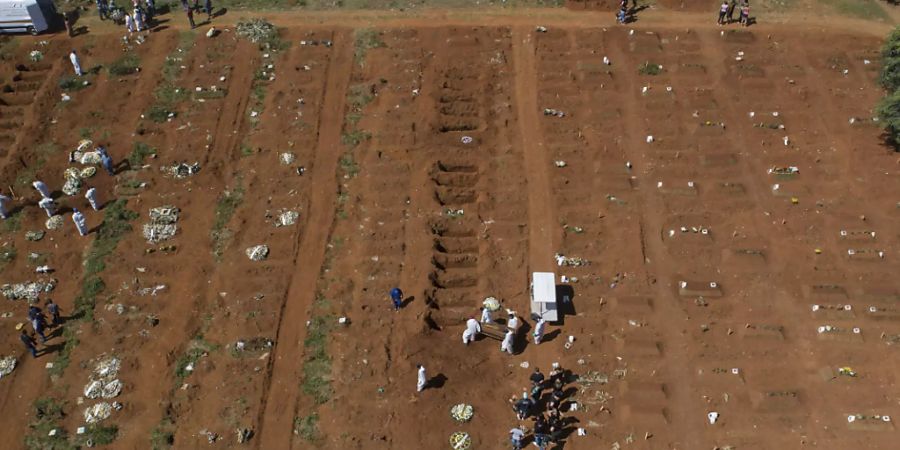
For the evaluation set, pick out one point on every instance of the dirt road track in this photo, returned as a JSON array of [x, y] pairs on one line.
[[540, 213], [283, 384]]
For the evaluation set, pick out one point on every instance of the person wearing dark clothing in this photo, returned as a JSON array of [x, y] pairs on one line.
[[558, 395], [190, 14], [731, 7], [523, 408], [151, 10], [397, 298], [29, 343], [209, 9], [101, 9], [53, 309], [541, 439], [33, 312], [537, 378]]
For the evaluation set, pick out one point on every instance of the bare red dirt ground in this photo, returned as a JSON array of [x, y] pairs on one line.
[[379, 134]]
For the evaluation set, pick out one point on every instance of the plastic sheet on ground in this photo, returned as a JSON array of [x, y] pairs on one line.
[[255, 30], [7, 365], [30, 290], [107, 368], [287, 158], [98, 412], [182, 170], [162, 224], [54, 222], [286, 218], [34, 235], [258, 252]]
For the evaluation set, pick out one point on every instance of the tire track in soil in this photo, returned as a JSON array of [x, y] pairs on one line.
[[540, 206], [282, 388], [659, 279]]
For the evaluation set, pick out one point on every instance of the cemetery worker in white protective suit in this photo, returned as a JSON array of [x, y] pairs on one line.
[[513, 322], [486, 315], [42, 188], [80, 222], [472, 329], [48, 205], [76, 64], [421, 381], [91, 196], [3, 201], [539, 330], [507, 344]]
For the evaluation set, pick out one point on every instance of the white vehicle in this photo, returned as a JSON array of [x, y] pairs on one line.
[[543, 296], [30, 16]]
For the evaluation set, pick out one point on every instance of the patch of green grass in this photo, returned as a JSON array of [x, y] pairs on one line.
[[225, 208], [98, 434], [12, 223], [307, 427], [127, 64], [158, 113], [116, 223], [364, 40], [359, 96], [355, 137], [649, 68], [196, 349], [139, 152], [163, 435], [8, 46], [209, 94], [349, 165], [246, 150], [169, 95], [85, 132], [48, 412], [72, 84], [317, 363], [860, 9], [7, 255]]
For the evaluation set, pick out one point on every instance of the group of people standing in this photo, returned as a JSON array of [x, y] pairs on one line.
[[544, 410], [142, 16], [39, 325], [726, 12]]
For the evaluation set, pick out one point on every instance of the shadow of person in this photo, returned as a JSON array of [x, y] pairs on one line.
[[551, 335], [48, 349], [407, 301], [437, 381]]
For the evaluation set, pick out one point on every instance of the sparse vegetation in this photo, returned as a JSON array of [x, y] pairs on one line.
[[127, 64], [349, 165], [649, 68], [888, 109], [72, 84], [163, 437], [355, 137], [225, 207], [317, 363], [364, 40], [139, 152], [48, 413], [98, 435], [307, 427], [116, 223]]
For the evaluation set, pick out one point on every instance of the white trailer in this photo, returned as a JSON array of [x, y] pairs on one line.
[[27, 16], [543, 296]]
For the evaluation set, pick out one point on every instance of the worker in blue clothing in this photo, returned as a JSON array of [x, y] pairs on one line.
[[53, 309], [29, 342], [106, 160], [397, 298]]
